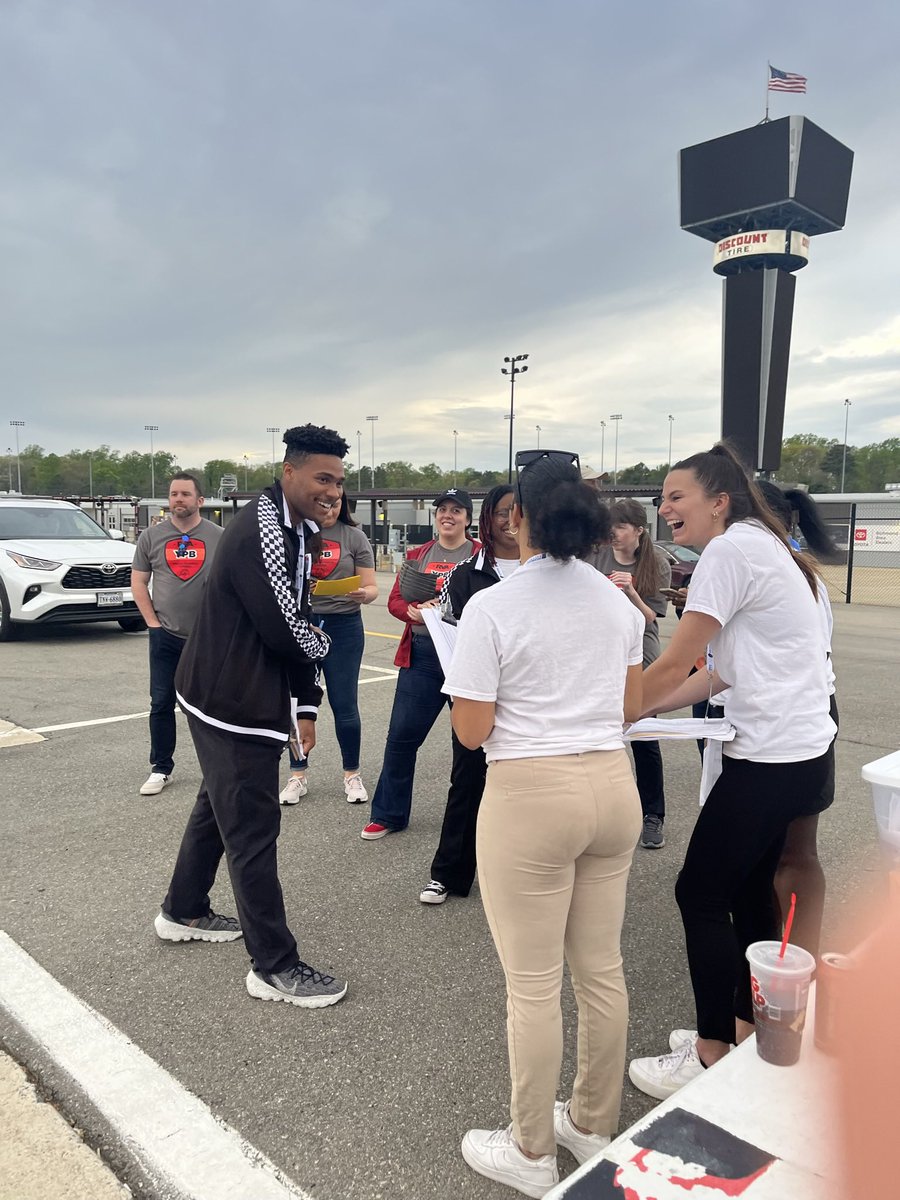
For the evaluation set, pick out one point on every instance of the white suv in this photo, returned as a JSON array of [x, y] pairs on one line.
[[57, 566]]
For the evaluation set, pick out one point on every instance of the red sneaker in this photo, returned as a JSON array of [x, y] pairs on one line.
[[373, 831]]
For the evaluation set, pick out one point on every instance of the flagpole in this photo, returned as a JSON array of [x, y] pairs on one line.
[[768, 79]]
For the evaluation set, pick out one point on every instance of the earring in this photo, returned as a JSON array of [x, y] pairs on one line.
[[715, 514], [511, 530]]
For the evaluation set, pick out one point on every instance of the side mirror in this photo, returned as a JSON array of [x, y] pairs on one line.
[[116, 534]]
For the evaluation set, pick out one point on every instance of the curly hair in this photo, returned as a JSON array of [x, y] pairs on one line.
[[565, 516], [301, 441]]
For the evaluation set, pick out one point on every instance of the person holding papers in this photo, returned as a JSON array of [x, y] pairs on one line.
[[346, 555], [755, 601], [546, 669]]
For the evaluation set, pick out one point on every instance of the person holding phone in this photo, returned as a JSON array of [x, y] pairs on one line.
[[560, 814]]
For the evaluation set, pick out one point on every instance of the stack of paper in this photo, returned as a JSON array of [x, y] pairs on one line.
[[680, 728]]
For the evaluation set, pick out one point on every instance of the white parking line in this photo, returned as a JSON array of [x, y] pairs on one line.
[[183, 1146]]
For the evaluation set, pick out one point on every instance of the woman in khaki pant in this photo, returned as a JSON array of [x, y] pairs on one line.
[[546, 669]]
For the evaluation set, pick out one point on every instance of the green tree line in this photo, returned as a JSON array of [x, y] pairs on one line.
[[815, 462]]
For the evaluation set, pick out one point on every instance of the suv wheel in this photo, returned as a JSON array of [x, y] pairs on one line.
[[7, 629]]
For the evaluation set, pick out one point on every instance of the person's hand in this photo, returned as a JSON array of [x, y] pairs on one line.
[[359, 596], [624, 581], [307, 736], [414, 615], [678, 598]]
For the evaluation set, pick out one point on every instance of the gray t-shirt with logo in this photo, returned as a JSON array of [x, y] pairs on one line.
[[440, 562], [605, 562], [178, 564], [345, 548]]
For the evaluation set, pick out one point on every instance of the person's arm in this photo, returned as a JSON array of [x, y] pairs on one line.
[[397, 606], [473, 721], [625, 583], [634, 690], [662, 679], [141, 594]]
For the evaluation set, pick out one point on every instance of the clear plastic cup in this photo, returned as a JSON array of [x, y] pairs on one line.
[[780, 992]]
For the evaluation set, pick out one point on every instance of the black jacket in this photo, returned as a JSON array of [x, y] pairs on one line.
[[467, 578], [253, 647]]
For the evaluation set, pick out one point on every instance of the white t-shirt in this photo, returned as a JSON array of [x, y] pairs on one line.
[[550, 646], [771, 648], [505, 566]]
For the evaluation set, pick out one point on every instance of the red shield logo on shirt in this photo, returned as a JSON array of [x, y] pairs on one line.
[[328, 559], [185, 556]]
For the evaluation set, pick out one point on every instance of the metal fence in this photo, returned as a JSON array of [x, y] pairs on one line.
[[868, 533]]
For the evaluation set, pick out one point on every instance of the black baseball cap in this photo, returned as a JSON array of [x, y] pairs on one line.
[[455, 496]]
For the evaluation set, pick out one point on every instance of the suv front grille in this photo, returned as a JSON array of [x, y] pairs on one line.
[[92, 578]]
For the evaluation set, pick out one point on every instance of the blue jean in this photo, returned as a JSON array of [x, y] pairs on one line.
[[417, 705], [165, 651], [341, 670]]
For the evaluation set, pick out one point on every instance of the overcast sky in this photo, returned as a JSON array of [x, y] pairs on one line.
[[220, 215]]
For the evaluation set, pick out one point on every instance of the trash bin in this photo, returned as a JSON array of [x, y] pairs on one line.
[[884, 776]]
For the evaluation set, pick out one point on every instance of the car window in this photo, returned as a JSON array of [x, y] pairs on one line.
[[19, 522]]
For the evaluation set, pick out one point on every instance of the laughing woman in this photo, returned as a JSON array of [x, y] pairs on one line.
[[546, 668], [755, 602]]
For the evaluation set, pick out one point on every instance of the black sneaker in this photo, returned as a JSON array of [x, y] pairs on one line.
[[211, 928], [301, 985], [652, 836]]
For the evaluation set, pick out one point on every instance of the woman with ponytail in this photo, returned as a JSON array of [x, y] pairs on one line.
[[547, 666], [755, 603]]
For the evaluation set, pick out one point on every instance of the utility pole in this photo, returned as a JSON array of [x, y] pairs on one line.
[[617, 417], [512, 371], [538, 428], [847, 407], [671, 423], [359, 460], [455, 437], [602, 444], [151, 429], [273, 429], [373, 420]]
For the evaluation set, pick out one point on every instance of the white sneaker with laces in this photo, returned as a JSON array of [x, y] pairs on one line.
[[494, 1153], [295, 787], [355, 791], [581, 1146], [154, 784], [663, 1076], [679, 1036]]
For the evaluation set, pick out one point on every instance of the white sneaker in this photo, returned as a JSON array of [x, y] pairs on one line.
[[679, 1036], [661, 1077], [155, 783], [355, 791], [581, 1146], [494, 1153], [295, 787], [433, 893]]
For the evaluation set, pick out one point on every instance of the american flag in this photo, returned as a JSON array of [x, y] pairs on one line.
[[785, 81]]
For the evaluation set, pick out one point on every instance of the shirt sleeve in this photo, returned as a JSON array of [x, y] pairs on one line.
[[636, 646], [722, 583], [475, 669], [361, 548], [141, 560]]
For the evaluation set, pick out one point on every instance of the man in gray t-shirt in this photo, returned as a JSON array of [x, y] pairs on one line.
[[177, 555]]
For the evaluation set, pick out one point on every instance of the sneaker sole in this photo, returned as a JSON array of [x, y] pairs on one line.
[[650, 1087], [289, 803], [653, 845], [373, 837], [433, 897], [356, 799], [169, 931], [260, 990], [510, 1178], [143, 790]]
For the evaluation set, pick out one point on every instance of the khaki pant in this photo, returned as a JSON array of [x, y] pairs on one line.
[[555, 842]]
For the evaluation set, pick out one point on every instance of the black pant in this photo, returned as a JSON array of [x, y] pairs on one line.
[[236, 812], [648, 771], [454, 862], [725, 890], [165, 653]]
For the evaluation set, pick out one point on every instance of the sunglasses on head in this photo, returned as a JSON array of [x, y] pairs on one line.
[[526, 458]]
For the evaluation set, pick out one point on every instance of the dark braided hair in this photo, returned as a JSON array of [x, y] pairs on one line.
[[304, 440], [489, 506]]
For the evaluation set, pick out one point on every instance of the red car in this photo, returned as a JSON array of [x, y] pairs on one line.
[[682, 561]]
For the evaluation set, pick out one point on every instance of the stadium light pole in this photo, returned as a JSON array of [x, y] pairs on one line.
[[617, 417], [602, 444], [9, 464], [17, 425], [847, 407], [512, 371], [538, 429], [151, 429], [373, 420], [671, 423], [273, 429], [455, 438], [359, 460]]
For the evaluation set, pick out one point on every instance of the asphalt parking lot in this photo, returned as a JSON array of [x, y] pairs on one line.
[[370, 1098]]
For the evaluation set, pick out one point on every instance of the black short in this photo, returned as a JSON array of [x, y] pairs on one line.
[[825, 798]]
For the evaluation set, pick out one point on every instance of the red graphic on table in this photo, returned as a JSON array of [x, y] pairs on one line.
[[328, 561], [185, 556]]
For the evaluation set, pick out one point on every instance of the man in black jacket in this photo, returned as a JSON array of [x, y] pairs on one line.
[[248, 678]]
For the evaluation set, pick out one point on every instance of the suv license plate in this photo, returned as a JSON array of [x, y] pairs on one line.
[[109, 599]]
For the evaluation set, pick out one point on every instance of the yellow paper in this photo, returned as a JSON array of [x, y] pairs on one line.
[[336, 587]]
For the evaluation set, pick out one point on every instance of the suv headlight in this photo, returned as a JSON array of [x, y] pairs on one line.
[[34, 564]]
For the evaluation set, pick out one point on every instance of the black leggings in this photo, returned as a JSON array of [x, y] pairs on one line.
[[725, 889]]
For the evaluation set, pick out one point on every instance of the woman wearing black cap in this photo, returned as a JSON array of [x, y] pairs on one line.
[[560, 814], [418, 699]]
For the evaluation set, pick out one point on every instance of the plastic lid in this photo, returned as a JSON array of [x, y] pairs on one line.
[[885, 771]]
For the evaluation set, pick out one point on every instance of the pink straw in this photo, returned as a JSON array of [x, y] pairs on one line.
[[787, 925]]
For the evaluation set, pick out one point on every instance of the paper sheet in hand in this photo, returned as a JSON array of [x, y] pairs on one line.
[[442, 634], [336, 587], [680, 728]]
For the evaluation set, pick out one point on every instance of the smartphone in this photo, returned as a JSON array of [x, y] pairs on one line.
[[672, 593]]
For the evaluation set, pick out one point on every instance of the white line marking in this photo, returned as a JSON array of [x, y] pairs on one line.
[[179, 1141], [84, 724]]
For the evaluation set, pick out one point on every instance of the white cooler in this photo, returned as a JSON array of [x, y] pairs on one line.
[[884, 776]]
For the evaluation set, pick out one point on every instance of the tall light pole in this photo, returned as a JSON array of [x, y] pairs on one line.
[[671, 423], [512, 371], [91, 474], [151, 429], [373, 420], [538, 428], [359, 460], [17, 425], [273, 429], [455, 437], [617, 417], [847, 407], [246, 465], [9, 464], [602, 444]]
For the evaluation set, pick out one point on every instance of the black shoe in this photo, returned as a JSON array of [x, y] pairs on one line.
[[211, 928], [652, 836], [300, 985]]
